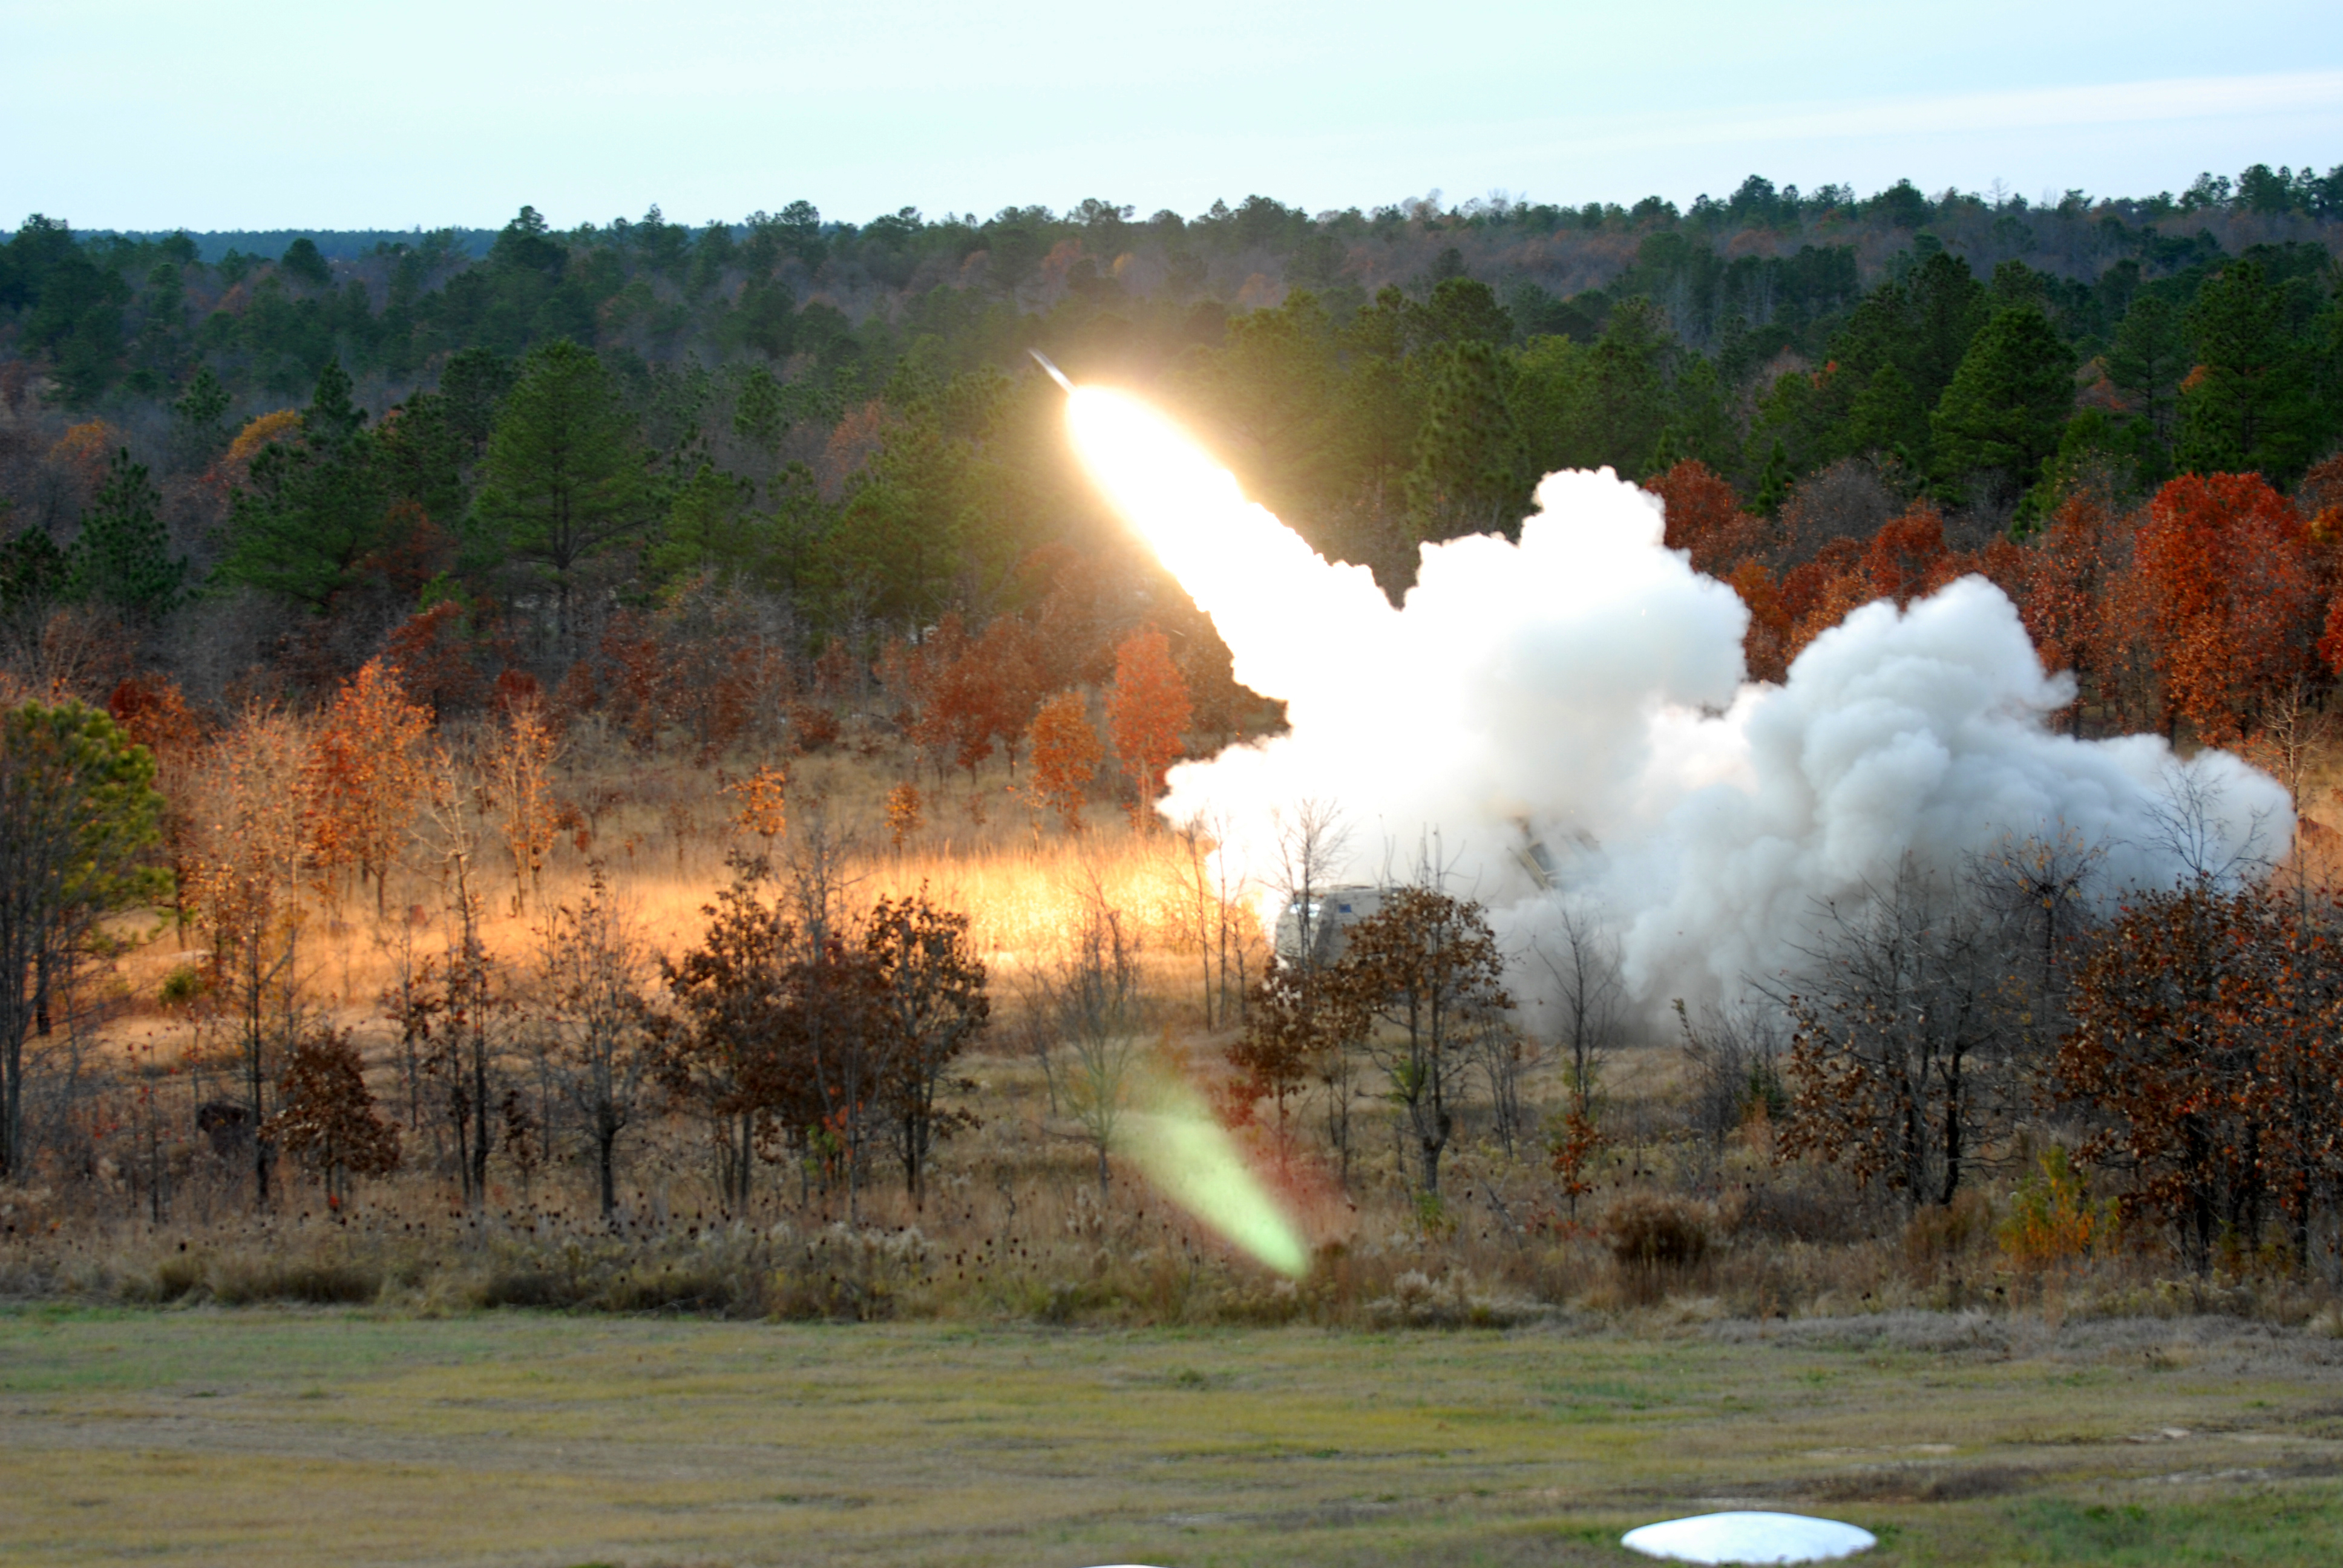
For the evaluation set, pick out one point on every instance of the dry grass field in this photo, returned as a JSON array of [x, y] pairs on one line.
[[267, 1437]]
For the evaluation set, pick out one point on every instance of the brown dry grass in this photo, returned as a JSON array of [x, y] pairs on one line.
[[1017, 1229]]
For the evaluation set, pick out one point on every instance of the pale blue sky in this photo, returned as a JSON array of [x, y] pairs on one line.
[[126, 115]]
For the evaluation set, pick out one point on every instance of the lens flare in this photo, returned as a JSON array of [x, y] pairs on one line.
[[1191, 1159]]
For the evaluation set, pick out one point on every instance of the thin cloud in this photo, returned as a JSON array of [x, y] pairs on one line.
[[2168, 101]]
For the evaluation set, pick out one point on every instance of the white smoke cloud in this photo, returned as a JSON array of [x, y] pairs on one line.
[[1587, 683]]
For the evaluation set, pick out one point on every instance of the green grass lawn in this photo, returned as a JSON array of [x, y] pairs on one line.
[[273, 1437]]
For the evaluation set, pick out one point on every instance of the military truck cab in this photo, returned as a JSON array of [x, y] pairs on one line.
[[1322, 927]]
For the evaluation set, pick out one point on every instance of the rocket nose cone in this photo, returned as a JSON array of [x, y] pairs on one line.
[[1055, 374]]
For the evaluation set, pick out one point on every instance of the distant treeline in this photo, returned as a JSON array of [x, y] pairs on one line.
[[838, 420]]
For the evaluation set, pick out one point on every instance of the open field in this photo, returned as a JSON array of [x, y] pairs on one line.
[[267, 1437]]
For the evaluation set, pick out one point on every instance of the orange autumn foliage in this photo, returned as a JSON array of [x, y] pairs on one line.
[[430, 653], [278, 425], [1066, 752], [1147, 713], [155, 715], [1764, 645], [2062, 597], [366, 775], [2225, 588], [1704, 516], [84, 450]]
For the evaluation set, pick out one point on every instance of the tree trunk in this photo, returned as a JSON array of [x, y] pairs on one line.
[[608, 1138], [12, 1119], [479, 1121]]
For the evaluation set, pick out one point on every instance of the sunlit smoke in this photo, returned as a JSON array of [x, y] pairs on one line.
[[1583, 690]]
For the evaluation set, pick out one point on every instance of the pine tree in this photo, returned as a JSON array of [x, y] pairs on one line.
[[198, 421], [1774, 482], [313, 510], [33, 571], [2008, 401], [122, 558], [2147, 359], [566, 475], [2248, 404], [1468, 454]]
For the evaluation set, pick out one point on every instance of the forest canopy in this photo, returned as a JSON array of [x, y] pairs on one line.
[[549, 428]]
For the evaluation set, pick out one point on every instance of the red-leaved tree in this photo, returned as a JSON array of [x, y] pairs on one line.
[[2227, 595], [1704, 516], [1147, 714]]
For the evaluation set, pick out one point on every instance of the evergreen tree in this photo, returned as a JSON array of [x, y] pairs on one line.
[[310, 514], [332, 415], [419, 456], [2008, 401], [2246, 404], [1629, 387], [710, 528], [566, 474], [1774, 481], [122, 558], [198, 421], [304, 260], [1467, 473], [1886, 416], [2147, 357], [1949, 308], [903, 536], [33, 570], [474, 383]]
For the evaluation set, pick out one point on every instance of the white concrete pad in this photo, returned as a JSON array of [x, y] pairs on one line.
[[1749, 1538]]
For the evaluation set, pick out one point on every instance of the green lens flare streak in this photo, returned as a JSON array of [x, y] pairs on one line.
[[1190, 1159]]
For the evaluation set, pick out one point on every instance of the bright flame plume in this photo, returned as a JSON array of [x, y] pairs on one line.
[[1244, 567]]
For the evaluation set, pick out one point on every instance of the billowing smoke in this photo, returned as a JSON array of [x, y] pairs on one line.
[[1583, 690]]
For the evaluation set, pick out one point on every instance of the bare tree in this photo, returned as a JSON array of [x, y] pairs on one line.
[[1313, 842], [1505, 1055], [1090, 1002], [592, 966], [1582, 959], [520, 771], [1901, 1059], [472, 998], [253, 841], [2185, 823], [1189, 854], [2295, 733], [1734, 1055]]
